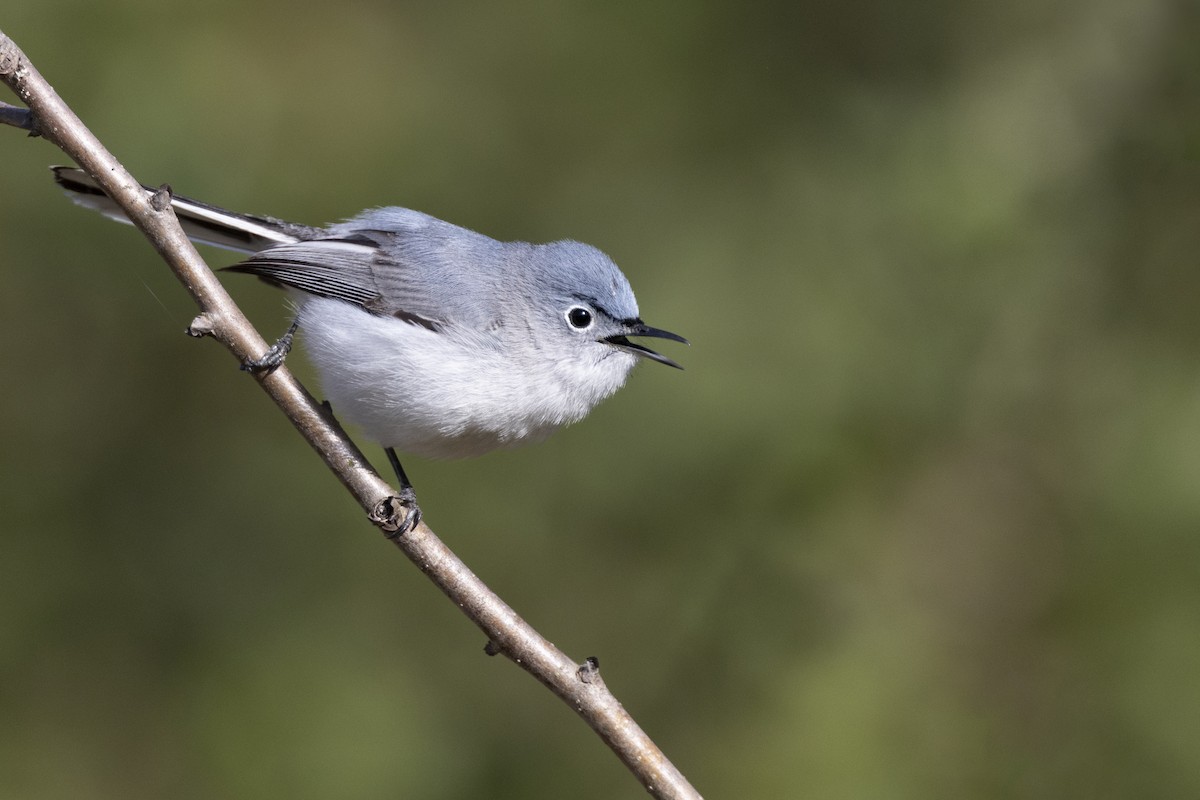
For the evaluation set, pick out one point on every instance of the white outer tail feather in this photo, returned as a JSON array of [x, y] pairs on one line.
[[202, 223]]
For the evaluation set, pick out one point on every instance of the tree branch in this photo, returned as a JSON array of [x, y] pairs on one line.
[[17, 117], [580, 686]]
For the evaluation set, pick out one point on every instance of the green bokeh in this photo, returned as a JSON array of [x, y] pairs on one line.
[[921, 518]]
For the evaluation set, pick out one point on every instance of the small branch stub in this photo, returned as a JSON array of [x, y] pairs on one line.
[[201, 326], [589, 670], [160, 201]]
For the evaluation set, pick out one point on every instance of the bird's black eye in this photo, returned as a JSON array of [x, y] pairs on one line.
[[579, 317]]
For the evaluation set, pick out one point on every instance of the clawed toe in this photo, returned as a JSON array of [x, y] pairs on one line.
[[274, 357]]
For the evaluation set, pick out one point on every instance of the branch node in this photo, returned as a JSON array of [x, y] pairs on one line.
[[589, 671], [200, 327], [491, 648], [160, 201]]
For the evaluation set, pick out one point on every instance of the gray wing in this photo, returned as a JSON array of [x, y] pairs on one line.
[[419, 269], [322, 267]]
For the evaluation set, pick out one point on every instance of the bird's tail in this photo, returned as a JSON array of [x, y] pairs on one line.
[[243, 233]]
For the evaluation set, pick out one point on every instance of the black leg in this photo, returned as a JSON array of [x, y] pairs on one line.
[[273, 358], [408, 495], [405, 483]]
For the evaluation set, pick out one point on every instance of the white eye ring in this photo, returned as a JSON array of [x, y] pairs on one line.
[[580, 318]]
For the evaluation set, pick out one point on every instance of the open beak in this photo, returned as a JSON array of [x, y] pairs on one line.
[[635, 327]]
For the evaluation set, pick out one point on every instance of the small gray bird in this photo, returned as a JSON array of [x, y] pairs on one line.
[[432, 338]]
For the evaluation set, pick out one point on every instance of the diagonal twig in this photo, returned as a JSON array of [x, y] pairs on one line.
[[17, 117], [579, 685]]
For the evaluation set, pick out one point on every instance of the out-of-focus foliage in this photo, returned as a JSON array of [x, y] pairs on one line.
[[921, 518]]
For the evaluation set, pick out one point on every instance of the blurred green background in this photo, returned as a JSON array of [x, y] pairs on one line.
[[921, 518]]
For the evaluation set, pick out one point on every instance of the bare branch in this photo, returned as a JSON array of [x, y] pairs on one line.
[[580, 686], [17, 117]]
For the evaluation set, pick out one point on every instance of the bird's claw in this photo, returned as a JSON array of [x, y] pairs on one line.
[[271, 360]]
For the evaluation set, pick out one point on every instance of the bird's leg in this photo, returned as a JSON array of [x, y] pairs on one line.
[[408, 495], [273, 358]]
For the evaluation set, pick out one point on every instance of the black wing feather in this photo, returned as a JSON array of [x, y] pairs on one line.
[[343, 269]]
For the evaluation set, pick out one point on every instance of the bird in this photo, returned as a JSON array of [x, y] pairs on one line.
[[431, 338]]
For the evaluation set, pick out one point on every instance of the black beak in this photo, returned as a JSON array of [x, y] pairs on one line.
[[635, 327]]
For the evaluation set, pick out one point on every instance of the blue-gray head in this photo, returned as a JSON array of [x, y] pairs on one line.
[[590, 302]]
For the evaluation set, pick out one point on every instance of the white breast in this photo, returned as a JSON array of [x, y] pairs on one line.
[[452, 393]]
